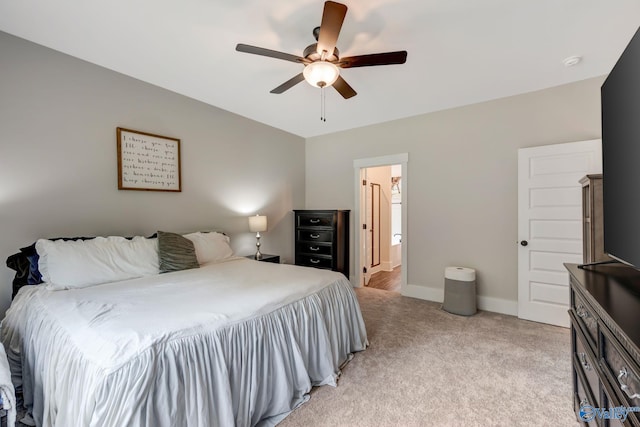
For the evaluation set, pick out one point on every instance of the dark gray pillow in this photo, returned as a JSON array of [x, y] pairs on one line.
[[175, 252]]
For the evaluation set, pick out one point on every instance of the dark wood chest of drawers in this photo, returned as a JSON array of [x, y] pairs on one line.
[[605, 344], [322, 239]]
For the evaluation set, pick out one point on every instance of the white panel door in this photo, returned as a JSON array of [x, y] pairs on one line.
[[365, 209], [550, 225]]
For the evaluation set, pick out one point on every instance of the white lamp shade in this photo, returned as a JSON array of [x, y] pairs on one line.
[[257, 223], [321, 73]]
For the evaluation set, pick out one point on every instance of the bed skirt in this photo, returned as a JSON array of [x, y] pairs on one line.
[[253, 372]]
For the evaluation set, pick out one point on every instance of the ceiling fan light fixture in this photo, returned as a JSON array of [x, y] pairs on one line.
[[321, 73], [320, 59]]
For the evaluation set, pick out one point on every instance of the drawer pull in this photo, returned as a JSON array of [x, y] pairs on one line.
[[314, 236], [581, 311], [583, 360], [314, 261], [624, 387], [314, 248], [314, 221]]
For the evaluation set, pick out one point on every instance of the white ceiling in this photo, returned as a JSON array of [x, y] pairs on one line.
[[459, 51]]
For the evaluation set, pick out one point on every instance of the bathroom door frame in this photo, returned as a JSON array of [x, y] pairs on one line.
[[359, 165], [374, 228]]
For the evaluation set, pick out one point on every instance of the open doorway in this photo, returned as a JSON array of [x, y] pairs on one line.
[[382, 207], [380, 238]]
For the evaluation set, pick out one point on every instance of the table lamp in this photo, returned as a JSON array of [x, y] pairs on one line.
[[257, 224]]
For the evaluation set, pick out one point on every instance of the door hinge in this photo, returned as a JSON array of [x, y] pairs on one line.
[[364, 226], [364, 182]]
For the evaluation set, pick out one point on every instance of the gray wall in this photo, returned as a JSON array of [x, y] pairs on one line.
[[462, 179], [58, 167], [58, 119]]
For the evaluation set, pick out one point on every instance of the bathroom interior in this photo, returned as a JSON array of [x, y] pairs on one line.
[[383, 210]]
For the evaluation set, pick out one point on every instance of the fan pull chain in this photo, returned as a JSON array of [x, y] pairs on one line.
[[323, 102], [323, 105], [321, 109]]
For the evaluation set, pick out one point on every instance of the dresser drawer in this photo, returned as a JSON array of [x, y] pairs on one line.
[[585, 361], [315, 248], [585, 403], [612, 401], [315, 261], [325, 236], [622, 372], [318, 219], [587, 319]]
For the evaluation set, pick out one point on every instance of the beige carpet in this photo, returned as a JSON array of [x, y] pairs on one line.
[[427, 367]]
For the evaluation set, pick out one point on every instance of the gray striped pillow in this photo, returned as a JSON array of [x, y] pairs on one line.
[[175, 252]]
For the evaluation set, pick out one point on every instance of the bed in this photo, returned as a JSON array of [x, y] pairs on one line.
[[233, 342]]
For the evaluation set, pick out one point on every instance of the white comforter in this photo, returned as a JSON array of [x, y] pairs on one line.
[[234, 343], [7, 393]]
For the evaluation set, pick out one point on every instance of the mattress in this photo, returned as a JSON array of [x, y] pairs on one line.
[[233, 343]]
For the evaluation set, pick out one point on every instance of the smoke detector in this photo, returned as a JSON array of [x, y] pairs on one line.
[[571, 61]]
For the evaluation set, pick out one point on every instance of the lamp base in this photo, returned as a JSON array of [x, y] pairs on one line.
[[258, 254]]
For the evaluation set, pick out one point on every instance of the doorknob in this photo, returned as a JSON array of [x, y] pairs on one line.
[[524, 243]]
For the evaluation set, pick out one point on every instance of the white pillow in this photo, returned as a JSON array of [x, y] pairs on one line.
[[81, 263], [210, 247]]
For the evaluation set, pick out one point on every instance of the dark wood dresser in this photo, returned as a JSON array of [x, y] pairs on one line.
[[322, 239], [605, 344], [592, 219]]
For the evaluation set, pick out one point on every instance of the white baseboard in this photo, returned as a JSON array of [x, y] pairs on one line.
[[424, 292], [496, 305]]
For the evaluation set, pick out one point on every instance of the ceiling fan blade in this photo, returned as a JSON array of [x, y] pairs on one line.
[[387, 58], [332, 19], [289, 84], [343, 88], [270, 53]]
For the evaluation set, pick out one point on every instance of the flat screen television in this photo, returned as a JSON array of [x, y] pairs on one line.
[[621, 156]]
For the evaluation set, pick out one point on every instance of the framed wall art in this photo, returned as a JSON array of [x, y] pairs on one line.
[[148, 162]]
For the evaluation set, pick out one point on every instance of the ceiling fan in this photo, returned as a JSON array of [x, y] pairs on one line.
[[322, 60]]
